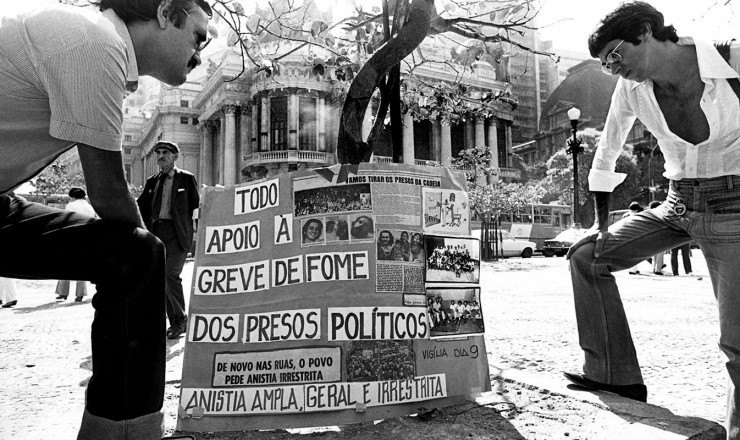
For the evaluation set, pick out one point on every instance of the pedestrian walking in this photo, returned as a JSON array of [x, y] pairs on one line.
[[678, 88], [685, 250], [167, 204], [63, 78], [7, 293], [78, 203]]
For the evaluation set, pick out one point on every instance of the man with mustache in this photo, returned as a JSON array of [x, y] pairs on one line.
[[64, 72]]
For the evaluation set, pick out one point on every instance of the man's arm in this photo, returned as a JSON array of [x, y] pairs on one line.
[[106, 185], [601, 221]]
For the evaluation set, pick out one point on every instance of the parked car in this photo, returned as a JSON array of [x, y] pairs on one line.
[[512, 247], [562, 242]]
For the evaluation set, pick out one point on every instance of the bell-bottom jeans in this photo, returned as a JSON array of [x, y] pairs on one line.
[[125, 394], [712, 218]]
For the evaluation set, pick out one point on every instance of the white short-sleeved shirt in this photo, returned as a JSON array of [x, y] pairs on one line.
[[64, 71], [80, 206], [719, 155]]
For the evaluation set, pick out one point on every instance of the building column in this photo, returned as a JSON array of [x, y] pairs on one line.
[[220, 155], [436, 147], [508, 144], [265, 124], [320, 124], [408, 138], [445, 146], [245, 128], [480, 132], [293, 119], [469, 134], [255, 127], [230, 145], [206, 154], [493, 142]]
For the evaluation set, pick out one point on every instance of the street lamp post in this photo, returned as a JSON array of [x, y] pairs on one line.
[[574, 148]]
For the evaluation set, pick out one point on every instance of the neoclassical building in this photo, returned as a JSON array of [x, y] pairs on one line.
[[232, 131]]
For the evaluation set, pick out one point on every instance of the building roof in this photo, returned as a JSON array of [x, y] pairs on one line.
[[587, 88]]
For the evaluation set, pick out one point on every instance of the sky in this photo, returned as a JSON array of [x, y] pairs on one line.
[[567, 23]]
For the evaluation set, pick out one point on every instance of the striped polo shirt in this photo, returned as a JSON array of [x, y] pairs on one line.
[[64, 71]]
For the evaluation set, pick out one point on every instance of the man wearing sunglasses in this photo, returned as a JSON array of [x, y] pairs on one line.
[[687, 96], [64, 72]]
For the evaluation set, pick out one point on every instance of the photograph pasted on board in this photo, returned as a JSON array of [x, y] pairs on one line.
[[452, 260], [445, 211], [326, 200], [369, 361], [454, 312], [312, 232], [400, 245]]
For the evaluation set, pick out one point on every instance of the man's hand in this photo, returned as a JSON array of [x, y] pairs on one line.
[[598, 232], [107, 186]]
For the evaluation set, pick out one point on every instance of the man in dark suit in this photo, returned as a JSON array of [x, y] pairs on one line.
[[167, 205]]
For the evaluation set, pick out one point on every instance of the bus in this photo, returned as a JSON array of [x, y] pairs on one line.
[[537, 222]]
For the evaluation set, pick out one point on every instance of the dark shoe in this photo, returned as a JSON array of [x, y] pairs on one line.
[[177, 329], [78, 299], [60, 297], [658, 273], [10, 304], [636, 391]]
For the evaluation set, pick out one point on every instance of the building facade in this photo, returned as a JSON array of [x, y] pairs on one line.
[[231, 131]]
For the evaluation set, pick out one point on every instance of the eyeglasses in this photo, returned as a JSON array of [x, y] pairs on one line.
[[612, 58], [203, 34]]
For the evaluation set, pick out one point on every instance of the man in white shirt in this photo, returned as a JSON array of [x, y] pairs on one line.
[[64, 72], [79, 204], [681, 89]]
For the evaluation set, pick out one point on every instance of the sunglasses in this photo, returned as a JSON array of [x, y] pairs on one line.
[[611, 58], [202, 33]]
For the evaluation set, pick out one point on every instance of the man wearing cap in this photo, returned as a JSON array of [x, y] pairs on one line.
[[167, 205]]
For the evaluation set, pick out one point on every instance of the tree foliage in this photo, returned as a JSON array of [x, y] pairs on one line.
[[487, 196], [57, 178]]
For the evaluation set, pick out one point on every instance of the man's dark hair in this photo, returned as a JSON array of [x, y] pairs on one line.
[[628, 22], [145, 10], [635, 206], [76, 193]]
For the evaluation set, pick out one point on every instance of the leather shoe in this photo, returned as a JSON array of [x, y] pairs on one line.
[[62, 298], [10, 304], [177, 329], [636, 391]]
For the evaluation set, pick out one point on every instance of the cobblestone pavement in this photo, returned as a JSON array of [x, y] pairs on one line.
[[530, 328]]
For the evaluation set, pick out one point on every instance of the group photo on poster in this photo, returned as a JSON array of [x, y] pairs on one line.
[[452, 260], [454, 312], [347, 198], [400, 245], [380, 360], [445, 211]]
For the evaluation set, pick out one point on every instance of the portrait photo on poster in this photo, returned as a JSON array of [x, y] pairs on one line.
[[454, 311], [400, 245], [369, 361], [331, 199], [362, 227], [452, 259], [445, 211], [312, 231]]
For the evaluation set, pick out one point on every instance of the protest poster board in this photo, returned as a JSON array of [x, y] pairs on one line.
[[312, 301]]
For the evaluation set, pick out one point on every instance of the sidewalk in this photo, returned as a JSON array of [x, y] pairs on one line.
[[45, 365]]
